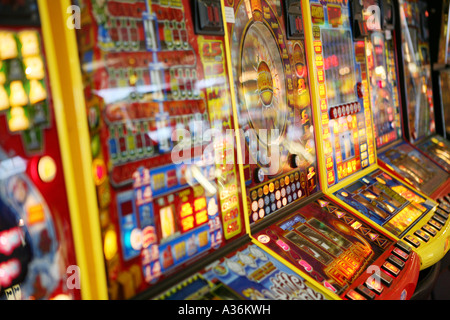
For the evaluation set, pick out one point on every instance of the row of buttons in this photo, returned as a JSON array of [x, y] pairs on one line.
[[275, 195], [432, 227], [391, 268], [345, 110]]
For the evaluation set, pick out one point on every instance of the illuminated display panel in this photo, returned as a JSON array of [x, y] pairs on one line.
[[246, 274], [331, 244], [385, 201], [158, 109], [274, 109], [383, 90], [420, 171], [419, 95], [345, 117], [438, 148], [416, 61], [444, 48]]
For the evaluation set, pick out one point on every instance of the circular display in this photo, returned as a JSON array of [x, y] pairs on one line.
[[262, 76]]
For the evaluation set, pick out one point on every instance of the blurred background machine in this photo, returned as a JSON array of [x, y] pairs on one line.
[[41, 250]]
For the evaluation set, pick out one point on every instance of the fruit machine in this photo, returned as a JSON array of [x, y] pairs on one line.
[[347, 155], [290, 218], [439, 53], [418, 108], [154, 98], [156, 93], [394, 153], [417, 88], [37, 249]]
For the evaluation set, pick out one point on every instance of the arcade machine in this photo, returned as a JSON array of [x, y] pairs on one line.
[[416, 90], [39, 253], [289, 217], [395, 154], [156, 99], [346, 149], [158, 106], [438, 24]]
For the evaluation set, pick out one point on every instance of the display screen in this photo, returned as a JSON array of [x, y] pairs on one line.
[[246, 274], [339, 66], [346, 134], [386, 201], [274, 109], [416, 61], [383, 89], [329, 243], [419, 170], [439, 149], [160, 117]]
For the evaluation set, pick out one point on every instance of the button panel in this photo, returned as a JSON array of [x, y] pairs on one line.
[[345, 110], [429, 229], [403, 246], [442, 214], [374, 284], [274, 195], [390, 268], [366, 292], [354, 295], [387, 280], [439, 219], [401, 254], [413, 241], [422, 235], [435, 224], [396, 261]]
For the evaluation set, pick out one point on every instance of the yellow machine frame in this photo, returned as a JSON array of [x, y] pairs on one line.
[[68, 98]]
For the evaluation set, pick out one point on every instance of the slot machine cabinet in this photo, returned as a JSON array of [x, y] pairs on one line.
[[346, 149], [291, 237], [418, 107], [290, 218], [419, 111], [157, 104], [394, 153], [438, 40], [40, 250]]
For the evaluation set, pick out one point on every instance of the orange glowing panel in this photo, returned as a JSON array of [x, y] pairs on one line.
[[186, 210], [353, 295], [317, 14], [187, 223], [167, 221], [201, 217], [391, 268], [199, 204], [35, 214]]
